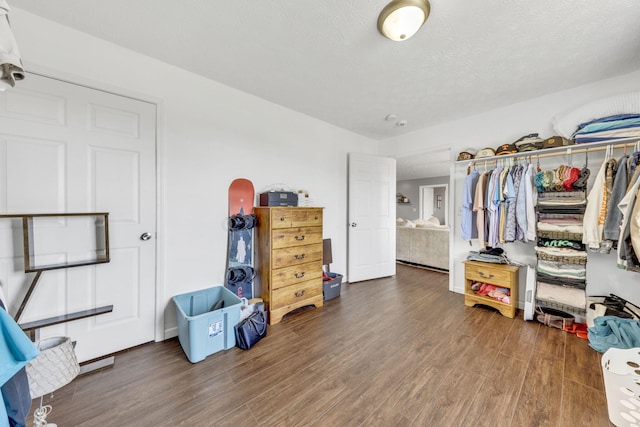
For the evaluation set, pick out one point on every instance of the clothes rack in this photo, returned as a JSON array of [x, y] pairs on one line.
[[561, 151]]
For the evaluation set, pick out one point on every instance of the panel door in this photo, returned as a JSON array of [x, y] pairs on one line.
[[69, 148], [372, 230]]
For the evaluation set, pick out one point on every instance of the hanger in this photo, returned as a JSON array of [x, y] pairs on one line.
[[586, 157]]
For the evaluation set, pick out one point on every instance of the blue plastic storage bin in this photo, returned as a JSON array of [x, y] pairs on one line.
[[331, 287], [201, 330]]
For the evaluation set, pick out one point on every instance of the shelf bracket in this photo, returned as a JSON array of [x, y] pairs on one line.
[[25, 300]]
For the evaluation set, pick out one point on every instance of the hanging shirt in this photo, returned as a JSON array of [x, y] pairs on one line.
[[501, 200], [521, 206], [633, 242], [478, 207], [626, 208], [530, 198], [492, 208], [595, 211], [468, 224], [612, 220], [510, 202]]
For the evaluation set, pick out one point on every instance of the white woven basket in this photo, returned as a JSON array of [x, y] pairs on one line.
[[55, 366]]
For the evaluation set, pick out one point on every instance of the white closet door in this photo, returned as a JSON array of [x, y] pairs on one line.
[[69, 148]]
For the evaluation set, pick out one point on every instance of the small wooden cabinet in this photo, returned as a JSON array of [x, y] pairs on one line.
[[288, 259], [501, 275]]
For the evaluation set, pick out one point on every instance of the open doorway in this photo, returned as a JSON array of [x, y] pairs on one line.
[[433, 202]]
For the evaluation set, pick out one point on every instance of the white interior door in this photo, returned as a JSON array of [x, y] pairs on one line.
[[372, 211], [69, 148], [426, 202]]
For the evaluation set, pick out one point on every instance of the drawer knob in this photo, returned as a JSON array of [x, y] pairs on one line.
[[299, 294], [299, 276], [299, 238], [301, 256], [486, 276], [282, 218]]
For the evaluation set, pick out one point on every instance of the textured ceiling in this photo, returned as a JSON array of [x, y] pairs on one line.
[[326, 58]]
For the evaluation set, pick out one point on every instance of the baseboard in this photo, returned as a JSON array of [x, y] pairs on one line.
[[171, 332], [95, 364]]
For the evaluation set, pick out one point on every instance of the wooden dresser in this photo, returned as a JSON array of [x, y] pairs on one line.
[[288, 259], [501, 275]]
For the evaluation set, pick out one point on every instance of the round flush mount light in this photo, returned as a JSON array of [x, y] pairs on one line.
[[401, 19]]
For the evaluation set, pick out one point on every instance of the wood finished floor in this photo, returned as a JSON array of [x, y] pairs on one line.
[[399, 351]]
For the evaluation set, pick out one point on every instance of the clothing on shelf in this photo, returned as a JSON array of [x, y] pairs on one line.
[[608, 128], [493, 291], [561, 274]]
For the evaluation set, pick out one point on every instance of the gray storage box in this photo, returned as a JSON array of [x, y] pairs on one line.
[[331, 288], [279, 198]]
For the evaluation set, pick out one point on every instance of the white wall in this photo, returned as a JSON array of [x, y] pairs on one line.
[[505, 125], [209, 135]]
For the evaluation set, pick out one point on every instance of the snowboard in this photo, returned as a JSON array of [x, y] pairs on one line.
[[240, 271]]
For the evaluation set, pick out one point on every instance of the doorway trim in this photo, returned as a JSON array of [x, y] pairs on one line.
[[445, 203]]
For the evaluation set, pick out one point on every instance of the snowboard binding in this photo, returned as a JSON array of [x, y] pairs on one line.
[[242, 222]]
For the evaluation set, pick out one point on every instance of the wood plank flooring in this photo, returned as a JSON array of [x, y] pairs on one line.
[[398, 351]]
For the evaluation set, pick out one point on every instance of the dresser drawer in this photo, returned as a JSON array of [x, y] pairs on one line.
[[286, 257], [295, 293], [289, 237], [488, 274], [296, 217], [298, 273]]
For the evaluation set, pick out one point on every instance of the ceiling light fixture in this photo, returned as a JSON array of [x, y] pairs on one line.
[[401, 19]]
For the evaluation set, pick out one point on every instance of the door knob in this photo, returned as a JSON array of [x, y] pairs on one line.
[[353, 224], [145, 236]]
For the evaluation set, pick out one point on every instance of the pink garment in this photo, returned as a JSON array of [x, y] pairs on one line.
[[478, 206]]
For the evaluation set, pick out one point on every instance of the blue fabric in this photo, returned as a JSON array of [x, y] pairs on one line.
[[586, 140], [612, 331], [613, 118], [468, 223], [16, 350], [17, 398], [614, 124]]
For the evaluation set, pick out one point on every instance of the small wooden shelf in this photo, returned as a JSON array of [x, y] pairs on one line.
[[97, 223], [501, 275], [46, 267], [30, 326]]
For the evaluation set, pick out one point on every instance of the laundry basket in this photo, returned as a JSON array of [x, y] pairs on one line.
[[54, 367], [621, 372]]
